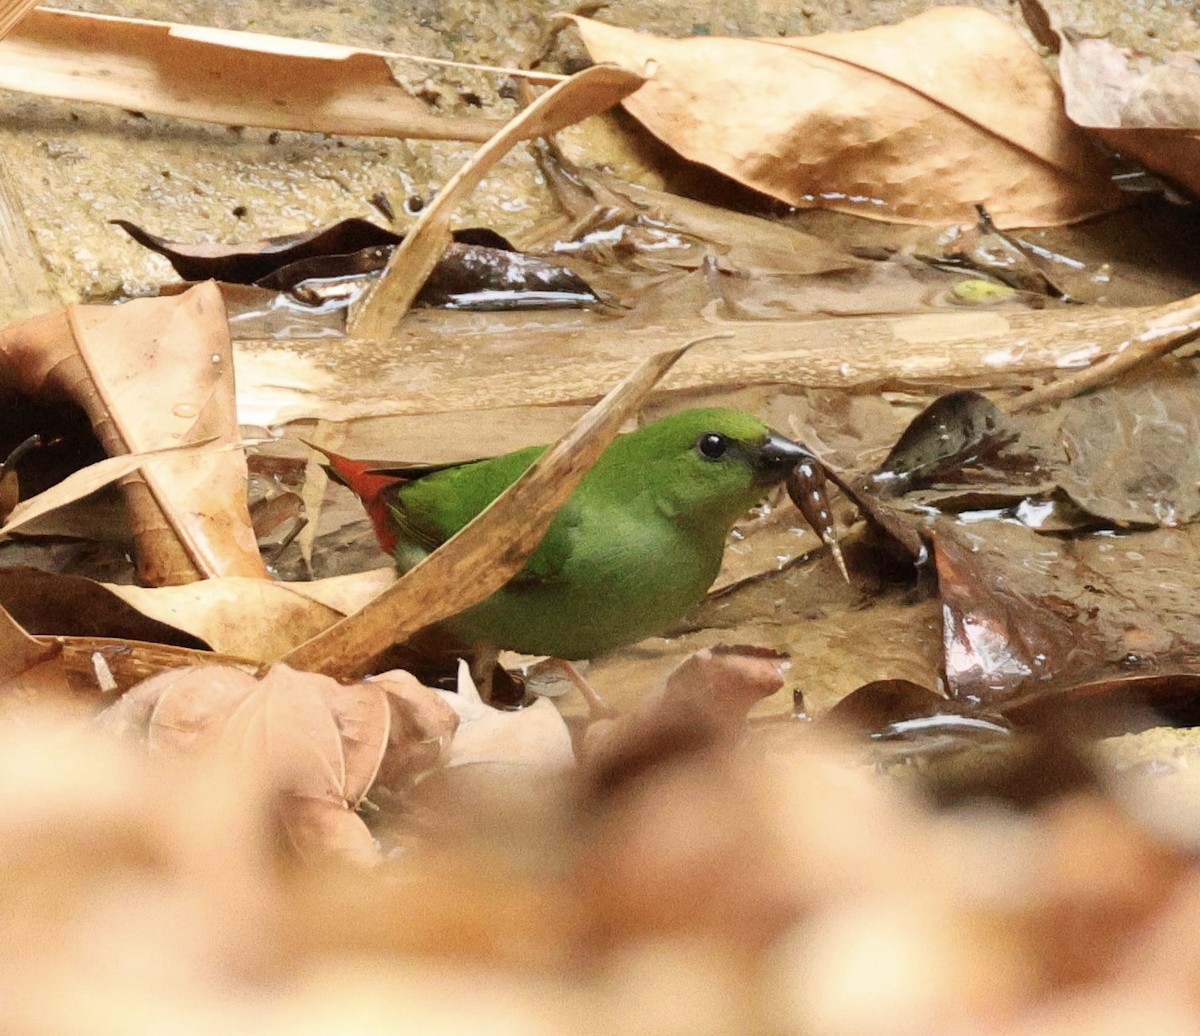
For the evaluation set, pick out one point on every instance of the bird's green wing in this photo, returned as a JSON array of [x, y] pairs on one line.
[[428, 511]]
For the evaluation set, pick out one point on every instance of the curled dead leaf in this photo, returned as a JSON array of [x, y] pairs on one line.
[[153, 374]]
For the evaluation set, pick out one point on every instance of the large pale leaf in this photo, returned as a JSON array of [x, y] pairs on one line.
[[917, 122], [1145, 109]]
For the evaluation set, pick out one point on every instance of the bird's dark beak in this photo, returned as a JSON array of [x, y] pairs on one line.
[[777, 456]]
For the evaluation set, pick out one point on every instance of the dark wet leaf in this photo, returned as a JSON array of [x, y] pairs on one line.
[[1030, 615], [1121, 455], [875, 705], [1000, 635], [252, 260], [55, 604], [958, 428], [1115, 705], [482, 278], [480, 270], [324, 267]]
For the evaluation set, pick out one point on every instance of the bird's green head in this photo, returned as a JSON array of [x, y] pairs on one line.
[[707, 466]]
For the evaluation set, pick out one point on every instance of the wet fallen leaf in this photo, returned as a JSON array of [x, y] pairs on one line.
[[479, 270], [217, 75], [153, 373], [875, 705], [250, 261], [916, 122], [1025, 612]]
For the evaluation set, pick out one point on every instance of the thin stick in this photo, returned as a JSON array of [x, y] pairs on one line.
[[1172, 326]]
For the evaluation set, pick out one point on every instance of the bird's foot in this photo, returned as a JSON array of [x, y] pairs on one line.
[[598, 708]]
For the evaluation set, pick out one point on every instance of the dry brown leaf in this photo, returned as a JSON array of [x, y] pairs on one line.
[[917, 122], [256, 618], [314, 743], [593, 90], [151, 374], [492, 548], [1147, 110], [217, 75]]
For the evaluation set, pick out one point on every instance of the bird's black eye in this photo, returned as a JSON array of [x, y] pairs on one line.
[[712, 445]]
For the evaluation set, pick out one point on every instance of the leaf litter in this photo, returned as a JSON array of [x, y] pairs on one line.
[[692, 865]]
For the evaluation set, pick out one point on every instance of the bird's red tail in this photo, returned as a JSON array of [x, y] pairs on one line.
[[369, 484]]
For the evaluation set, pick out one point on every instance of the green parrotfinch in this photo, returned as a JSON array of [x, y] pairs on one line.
[[634, 549]]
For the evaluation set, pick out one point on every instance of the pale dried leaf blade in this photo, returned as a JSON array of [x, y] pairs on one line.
[[87, 480], [13, 12], [903, 123], [492, 548], [535, 737], [590, 92], [265, 81]]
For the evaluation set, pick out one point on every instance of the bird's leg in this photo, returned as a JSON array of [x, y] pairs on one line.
[[483, 669], [598, 708]]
